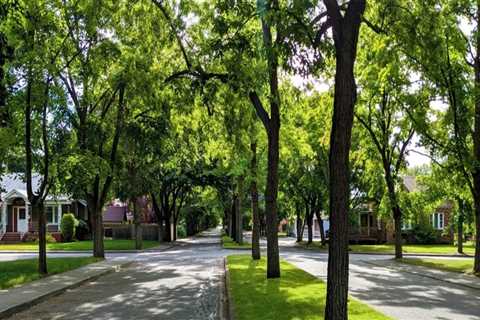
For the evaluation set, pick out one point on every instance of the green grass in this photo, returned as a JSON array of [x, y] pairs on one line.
[[296, 295], [14, 273], [390, 248], [455, 265], [228, 243], [77, 246]]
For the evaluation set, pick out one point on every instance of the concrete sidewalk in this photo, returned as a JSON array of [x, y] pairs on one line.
[[457, 278], [20, 298]]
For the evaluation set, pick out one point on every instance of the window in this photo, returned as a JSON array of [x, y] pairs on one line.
[[438, 221], [21, 214], [51, 215], [406, 224]]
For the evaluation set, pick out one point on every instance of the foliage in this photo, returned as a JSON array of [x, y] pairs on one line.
[[68, 227]]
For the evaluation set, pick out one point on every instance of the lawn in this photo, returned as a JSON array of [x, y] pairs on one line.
[[390, 248], [455, 265], [77, 246], [228, 243], [296, 295], [14, 273]]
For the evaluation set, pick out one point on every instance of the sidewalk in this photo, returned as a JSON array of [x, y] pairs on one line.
[[456, 278], [160, 247], [20, 298]]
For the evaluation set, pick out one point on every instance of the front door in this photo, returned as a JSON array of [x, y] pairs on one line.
[[21, 219], [12, 221]]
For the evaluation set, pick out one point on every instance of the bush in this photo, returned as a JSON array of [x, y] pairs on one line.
[[48, 237], [181, 231], [424, 234], [68, 226], [82, 231]]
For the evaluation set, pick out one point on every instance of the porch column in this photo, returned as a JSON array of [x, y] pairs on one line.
[[27, 216], [59, 215], [4, 216]]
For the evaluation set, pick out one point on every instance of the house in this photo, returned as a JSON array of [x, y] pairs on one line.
[[16, 218], [369, 227]]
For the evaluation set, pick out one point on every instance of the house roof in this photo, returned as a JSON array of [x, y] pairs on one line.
[[14, 186], [114, 214], [410, 183]]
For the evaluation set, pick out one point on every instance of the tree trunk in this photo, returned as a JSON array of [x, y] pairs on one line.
[[396, 211], [233, 219], [397, 219], [321, 227], [138, 226], [238, 213], [345, 34], [309, 218], [98, 232], [39, 211], [254, 196], [476, 148], [460, 231], [299, 227], [174, 231]]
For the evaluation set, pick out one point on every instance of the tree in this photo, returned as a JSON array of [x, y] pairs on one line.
[[385, 96], [345, 29]]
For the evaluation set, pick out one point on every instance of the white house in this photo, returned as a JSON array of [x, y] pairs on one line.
[[16, 219]]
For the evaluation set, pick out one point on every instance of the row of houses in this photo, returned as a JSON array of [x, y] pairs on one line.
[[369, 227], [17, 219]]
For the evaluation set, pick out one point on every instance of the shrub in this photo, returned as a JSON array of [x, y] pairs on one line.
[[49, 237], [68, 226], [82, 231], [424, 234]]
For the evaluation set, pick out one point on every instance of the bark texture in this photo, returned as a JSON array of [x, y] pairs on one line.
[[345, 33], [254, 196]]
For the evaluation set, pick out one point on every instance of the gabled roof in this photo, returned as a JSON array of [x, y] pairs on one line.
[[13, 185]]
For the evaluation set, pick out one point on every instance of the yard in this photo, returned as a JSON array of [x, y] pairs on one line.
[[390, 248], [228, 243], [77, 245], [454, 265], [14, 273], [296, 295]]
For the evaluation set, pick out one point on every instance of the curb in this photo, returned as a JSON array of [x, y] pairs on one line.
[[227, 305], [392, 253], [425, 274], [28, 304]]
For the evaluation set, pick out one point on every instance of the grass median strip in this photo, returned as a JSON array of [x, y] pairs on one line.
[[78, 245], [454, 265], [14, 273], [296, 295], [439, 249], [228, 243]]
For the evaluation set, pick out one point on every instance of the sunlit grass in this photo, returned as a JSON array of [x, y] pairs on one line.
[[454, 265], [446, 249], [228, 243], [14, 273], [296, 295], [77, 245]]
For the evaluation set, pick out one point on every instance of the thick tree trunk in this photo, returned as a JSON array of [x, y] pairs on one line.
[[476, 148], [345, 34], [174, 231], [460, 231], [254, 196], [397, 219], [98, 232], [39, 211], [238, 213], [138, 226], [309, 218], [273, 254]]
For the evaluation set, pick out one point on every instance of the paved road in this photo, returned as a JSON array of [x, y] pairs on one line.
[[181, 283], [184, 283]]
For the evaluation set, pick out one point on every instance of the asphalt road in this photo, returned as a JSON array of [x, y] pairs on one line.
[[184, 283]]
